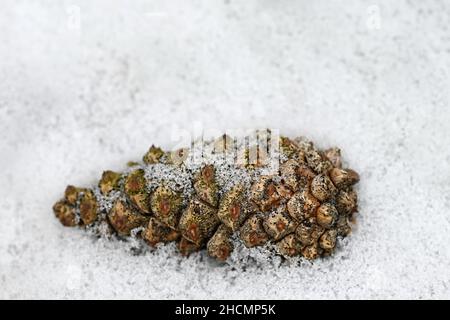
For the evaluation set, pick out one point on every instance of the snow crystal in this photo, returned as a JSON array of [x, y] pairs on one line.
[[76, 100]]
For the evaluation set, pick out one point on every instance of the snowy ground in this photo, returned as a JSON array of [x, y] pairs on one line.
[[87, 86]]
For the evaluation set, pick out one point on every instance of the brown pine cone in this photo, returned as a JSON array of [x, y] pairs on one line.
[[303, 207]]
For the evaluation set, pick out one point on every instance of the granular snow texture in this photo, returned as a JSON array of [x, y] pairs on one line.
[[87, 86]]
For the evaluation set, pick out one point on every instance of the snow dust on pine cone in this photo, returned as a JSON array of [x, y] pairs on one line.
[[271, 192]]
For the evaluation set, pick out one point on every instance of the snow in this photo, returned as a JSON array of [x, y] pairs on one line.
[[88, 86]]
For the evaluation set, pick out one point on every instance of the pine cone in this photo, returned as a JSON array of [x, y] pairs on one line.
[[302, 208]]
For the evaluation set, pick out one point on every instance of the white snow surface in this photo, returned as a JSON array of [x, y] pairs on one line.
[[89, 85]]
